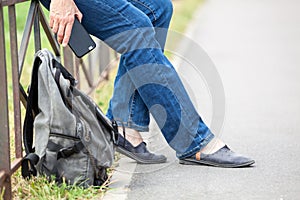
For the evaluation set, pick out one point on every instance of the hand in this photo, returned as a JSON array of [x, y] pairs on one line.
[[62, 13]]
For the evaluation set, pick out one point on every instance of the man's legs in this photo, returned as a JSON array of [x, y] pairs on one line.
[[136, 115]]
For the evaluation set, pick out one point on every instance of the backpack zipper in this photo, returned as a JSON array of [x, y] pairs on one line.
[[64, 136]]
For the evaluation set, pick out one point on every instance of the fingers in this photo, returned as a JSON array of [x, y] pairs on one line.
[[68, 30], [63, 28], [60, 32], [62, 15], [55, 26], [51, 21]]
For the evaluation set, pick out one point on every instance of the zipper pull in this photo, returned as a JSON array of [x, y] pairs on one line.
[[115, 131]]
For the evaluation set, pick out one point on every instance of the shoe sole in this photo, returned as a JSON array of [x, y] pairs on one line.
[[137, 159], [201, 162]]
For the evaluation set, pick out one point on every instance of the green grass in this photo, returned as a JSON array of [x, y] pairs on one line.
[[40, 188], [2, 194]]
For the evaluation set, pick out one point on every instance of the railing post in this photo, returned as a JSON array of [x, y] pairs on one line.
[[26, 34], [15, 79], [36, 26], [4, 124]]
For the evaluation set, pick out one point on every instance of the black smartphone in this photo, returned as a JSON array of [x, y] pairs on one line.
[[80, 41]]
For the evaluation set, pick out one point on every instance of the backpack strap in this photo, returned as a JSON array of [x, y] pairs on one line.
[[28, 165], [31, 108], [31, 159], [64, 72]]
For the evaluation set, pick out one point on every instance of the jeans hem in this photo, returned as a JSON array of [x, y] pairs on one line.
[[197, 148], [133, 126]]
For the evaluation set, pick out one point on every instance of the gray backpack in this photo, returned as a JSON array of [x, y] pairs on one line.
[[73, 138]]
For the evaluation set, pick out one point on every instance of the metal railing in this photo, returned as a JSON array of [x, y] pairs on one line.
[[35, 20]]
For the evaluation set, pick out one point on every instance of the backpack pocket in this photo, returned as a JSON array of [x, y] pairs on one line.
[[67, 158]]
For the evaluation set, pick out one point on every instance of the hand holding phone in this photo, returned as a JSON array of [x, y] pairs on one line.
[[61, 19]]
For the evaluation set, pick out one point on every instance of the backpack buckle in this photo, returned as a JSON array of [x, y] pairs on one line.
[[68, 151]]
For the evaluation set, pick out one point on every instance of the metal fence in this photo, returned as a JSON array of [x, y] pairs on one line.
[[35, 20]]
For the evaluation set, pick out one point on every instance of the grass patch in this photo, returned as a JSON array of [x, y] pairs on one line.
[[41, 188]]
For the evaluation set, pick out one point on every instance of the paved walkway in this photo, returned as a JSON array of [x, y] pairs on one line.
[[255, 45]]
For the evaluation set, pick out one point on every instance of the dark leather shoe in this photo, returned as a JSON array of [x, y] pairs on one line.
[[224, 157], [139, 153]]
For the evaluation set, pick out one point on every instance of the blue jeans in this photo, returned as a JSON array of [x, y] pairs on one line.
[[146, 81]]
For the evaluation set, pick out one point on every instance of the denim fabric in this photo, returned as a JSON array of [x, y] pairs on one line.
[[146, 80], [136, 115]]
